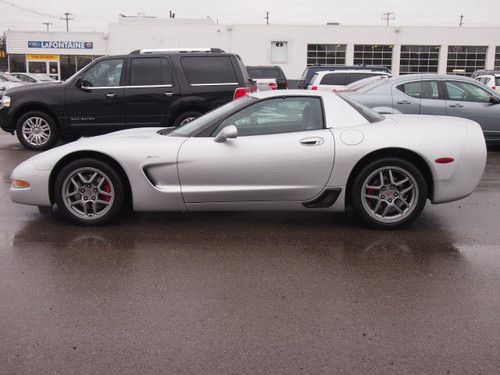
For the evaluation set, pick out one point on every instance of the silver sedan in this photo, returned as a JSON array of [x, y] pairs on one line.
[[432, 94]]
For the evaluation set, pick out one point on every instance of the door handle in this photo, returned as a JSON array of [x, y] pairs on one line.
[[110, 95], [312, 141], [404, 102], [168, 93], [456, 105]]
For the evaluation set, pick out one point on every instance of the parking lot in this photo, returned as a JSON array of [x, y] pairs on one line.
[[254, 292]]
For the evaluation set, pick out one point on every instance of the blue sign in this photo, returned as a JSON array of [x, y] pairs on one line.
[[60, 44]]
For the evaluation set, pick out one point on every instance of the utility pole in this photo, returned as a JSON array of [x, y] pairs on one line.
[[47, 24], [267, 17], [67, 18], [387, 17], [461, 20]]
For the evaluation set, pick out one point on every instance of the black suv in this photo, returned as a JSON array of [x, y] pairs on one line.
[[256, 72], [145, 88], [310, 71]]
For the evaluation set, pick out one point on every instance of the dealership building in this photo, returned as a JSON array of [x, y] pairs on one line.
[[403, 49]]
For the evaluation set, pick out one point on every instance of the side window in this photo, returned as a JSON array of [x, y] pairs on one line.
[[104, 74], [334, 79], [465, 91], [429, 90], [280, 115], [146, 71], [411, 88], [208, 70]]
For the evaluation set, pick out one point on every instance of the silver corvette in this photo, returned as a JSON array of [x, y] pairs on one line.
[[267, 151]]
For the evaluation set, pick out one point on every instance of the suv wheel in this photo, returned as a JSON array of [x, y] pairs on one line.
[[37, 131], [186, 117], [389, 193], [88, 192]]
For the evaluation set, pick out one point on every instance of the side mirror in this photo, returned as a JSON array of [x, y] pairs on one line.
[[80, 83], [494, 100], [228, 132]]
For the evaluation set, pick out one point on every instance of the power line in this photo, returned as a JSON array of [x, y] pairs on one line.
[[28, 10], [387, 17], [67, 18]]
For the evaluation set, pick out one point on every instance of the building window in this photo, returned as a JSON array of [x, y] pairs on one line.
[[68, 66], [331, 54], [373, 54], [465, 60], [497, 58], [17, 63], [279, 52], [419, 59]]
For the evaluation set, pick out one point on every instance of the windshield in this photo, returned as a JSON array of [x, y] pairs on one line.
[[195, 126], [264, 72], [371, 85], [364, 111], [11, 78], [366, 81]]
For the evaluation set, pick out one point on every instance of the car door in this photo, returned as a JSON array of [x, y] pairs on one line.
[[406, 97], [282, 153], [432, 100], [150, 91], [469, 100], [93, 101]]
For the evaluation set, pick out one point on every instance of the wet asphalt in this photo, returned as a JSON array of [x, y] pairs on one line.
[[251, 293]]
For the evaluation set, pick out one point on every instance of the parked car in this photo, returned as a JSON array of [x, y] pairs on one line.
[[339, 79], [490, 80], [266, 74], [432, 94], [34, 77], [265, 84], [310, 71], [295, 150], [480, 72], [8, 81], [144, 88]]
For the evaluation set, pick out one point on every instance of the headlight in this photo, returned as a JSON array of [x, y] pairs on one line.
[[5, 101]]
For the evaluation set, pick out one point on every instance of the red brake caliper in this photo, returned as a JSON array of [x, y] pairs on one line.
[[107, 189]]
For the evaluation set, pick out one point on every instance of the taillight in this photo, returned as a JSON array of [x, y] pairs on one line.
[[273, 86], [286, 85], [494, 88], [314, 87], [241, 92]]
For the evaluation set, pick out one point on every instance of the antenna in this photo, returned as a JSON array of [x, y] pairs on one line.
[[387, 17]]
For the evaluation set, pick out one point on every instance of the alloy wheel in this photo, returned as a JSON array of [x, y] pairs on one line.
[[36, 131]]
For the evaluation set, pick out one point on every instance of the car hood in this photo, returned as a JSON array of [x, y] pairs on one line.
[[24, 87], [139, 142]]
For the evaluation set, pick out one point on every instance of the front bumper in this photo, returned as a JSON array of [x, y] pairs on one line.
[[6, 120], [37, 194]]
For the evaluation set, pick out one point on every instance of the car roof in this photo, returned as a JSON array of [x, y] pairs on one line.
[[412, 77], [324, 72]]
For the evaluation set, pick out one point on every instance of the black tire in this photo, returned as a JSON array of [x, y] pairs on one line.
[[366, 209], [184, 116], [116, 187], [37, 117]]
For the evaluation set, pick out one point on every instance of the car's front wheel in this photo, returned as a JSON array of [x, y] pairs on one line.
[[37, 131], [389, 193], [88, 192]]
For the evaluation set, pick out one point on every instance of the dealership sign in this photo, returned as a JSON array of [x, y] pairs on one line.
[[60, 44]]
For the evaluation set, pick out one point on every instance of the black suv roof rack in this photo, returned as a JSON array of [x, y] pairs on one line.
[[175, 50]]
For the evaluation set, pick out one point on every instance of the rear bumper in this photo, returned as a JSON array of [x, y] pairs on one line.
[[469, 169]]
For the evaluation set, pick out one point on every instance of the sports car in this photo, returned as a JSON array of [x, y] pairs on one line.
[[273, 150]]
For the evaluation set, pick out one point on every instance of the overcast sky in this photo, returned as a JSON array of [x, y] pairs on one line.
[[92, 15]]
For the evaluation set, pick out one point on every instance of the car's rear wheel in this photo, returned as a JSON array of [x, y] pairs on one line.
[[88, 192], [389, 193], [186, 117], [37, 131]]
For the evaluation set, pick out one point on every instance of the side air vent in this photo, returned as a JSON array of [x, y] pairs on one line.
[[165, 131]]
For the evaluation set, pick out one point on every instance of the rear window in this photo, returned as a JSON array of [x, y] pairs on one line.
[[264, 73], [209, 70], [368, 113], [353, 77], [334, 79]]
